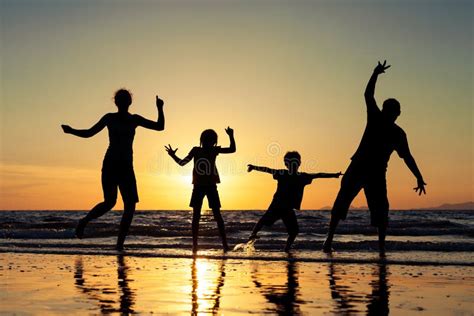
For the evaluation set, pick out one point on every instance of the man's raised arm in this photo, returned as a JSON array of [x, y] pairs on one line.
[[370, 89]]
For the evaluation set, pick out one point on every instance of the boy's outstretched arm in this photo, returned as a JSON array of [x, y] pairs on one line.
[[232, 148], [86, 133], [325, 175], [172, 153], [159, 125], [370, 89], [411, 164], [261, 169]]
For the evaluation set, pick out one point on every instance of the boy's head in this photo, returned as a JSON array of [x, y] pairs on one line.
[[123, 99], [391, 109], [292, 161], [208, 138]]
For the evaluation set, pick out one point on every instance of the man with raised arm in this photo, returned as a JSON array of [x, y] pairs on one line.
[[368, 167]]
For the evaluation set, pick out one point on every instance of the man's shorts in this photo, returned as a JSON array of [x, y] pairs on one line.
[[288, 217], [200, 191], [359, 177], [119, 175]]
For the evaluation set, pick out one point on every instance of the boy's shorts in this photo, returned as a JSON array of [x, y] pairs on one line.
[[119, 175], [200, 191], [288, 217], [374, 184]]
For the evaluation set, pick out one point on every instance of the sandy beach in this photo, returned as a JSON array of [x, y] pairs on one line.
[[91, 284]]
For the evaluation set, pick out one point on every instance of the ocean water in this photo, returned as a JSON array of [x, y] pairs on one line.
[[414, 237]]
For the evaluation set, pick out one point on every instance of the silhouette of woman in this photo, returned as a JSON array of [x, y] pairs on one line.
[[117, 168]]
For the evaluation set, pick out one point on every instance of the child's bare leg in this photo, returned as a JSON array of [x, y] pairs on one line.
[[256, 229], [195, 227], [129, 210], [292, 227], [221, 227], [96, 212]]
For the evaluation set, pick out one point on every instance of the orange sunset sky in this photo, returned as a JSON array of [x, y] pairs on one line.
[[286, 75]]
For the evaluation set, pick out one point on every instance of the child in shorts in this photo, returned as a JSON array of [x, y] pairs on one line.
[[205, 179], [288, 195]]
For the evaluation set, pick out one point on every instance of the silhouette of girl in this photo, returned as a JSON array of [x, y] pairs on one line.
[[206, 178]]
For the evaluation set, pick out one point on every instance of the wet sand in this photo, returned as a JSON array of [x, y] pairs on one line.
[[93, 284]]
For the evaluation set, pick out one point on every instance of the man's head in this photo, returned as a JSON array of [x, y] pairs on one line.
[[123, 99], [391, 109], [292, 161]]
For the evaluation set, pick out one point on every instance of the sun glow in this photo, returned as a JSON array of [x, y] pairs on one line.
[[291, 77], [186, 179]]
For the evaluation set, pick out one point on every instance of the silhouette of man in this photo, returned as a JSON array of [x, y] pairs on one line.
[[368, 167], [117, 168]]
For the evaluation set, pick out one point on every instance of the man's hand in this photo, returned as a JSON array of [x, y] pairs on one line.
[[159, 102], [67, 129], [171, 151], [380, 68], [229, 131], [421, 187], [250, 168]]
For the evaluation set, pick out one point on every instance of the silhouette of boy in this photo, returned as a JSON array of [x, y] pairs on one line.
[[369, 164], [205, 179], [288, 195], [117, 167]]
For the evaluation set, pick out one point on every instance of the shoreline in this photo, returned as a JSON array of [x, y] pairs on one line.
[[279, 257]]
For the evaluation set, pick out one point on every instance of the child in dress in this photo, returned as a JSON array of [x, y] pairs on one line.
[[205, 179]]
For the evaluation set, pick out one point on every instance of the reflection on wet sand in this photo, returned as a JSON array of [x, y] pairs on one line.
[[47, 284], [378, 300], [207, 279], [285, 298], [347, 299], [95, 288]]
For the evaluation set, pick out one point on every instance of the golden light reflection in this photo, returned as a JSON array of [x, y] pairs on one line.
[[207, 282]]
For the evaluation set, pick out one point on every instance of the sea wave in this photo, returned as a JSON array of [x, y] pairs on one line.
[[442, 234]]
